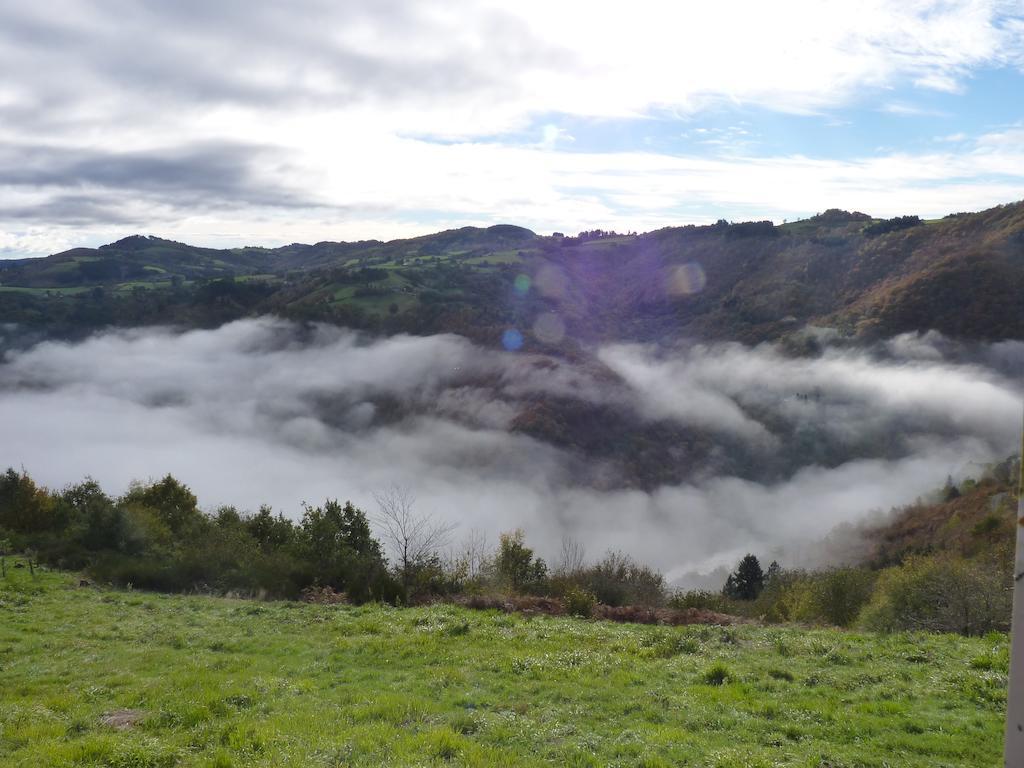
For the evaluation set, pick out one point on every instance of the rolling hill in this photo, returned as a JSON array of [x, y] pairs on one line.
[[753, 281]]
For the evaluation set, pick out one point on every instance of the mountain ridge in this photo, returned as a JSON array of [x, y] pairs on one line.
[[747, 281]]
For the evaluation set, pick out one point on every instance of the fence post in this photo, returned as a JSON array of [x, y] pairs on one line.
[[1013, 750]]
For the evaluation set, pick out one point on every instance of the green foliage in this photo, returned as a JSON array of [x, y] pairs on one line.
[[747, 581], [270, 532], [155, 537], [833, 597], [580, 602], [942, 593], [718, 674], [987, 525], [617, 579], [701, 599], [174, 504], [25, 507], [516, 565], [892, 225], [839, 594], [337, 541]]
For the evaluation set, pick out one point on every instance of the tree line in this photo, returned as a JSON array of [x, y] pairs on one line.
[[156, 537]]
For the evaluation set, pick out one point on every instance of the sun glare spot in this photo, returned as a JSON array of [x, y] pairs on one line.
[[522, 284], [512, 339], [687, 279], [551, 282], [549, 328]]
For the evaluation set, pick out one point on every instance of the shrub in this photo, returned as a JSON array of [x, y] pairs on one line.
[[619, 580], [517, 566], [942, 593], [839, 594], [717, 674], [580, 602], [701, 599]]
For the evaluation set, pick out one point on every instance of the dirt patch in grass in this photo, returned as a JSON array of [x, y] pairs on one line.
[[122, 719]]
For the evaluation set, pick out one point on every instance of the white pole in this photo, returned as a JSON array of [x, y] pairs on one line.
[[1013, 753]]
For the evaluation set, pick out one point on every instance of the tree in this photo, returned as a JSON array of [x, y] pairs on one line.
[[414, 538], [173, 501], [747, 581], [269, 531], [340, 546], [571, 557], [516, 564], [24, 506], [475, 555], [227, 517], [97, 523]]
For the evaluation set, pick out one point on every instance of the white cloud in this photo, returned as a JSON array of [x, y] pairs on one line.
[[370, 120], [261, 411]]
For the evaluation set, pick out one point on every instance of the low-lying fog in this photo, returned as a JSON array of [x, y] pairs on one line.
[[262, 411]]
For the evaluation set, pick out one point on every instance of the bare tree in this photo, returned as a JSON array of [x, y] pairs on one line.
[[413, 538], [476, 553], [571, 557]]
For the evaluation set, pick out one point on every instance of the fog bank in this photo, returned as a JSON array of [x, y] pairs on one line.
[[263, 411]]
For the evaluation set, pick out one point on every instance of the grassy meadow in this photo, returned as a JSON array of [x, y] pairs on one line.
[[95, 677]]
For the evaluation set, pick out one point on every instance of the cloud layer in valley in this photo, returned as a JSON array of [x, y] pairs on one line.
[[262, 411]]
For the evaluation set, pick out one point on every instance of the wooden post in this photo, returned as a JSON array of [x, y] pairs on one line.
[[1013, 751]]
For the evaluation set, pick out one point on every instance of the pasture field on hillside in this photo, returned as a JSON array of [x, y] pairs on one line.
[[94, 677]]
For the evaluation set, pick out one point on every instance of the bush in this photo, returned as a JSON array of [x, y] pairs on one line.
[[580, 602], [701, 599], [619, 580], [718, 674], [838, 595], [835, 596], [517, 567], [942, 593]]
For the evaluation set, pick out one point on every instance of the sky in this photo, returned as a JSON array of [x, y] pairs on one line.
[[246, 122]]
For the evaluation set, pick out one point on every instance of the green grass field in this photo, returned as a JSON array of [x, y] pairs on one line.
[[220, 682]]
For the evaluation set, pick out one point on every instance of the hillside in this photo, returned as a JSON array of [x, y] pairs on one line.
[[95, 677], [962, 275], [978, 517]]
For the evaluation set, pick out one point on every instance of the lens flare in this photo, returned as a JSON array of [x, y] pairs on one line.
[[551, 282], [686, 279], [549, 328], [522, 284], [511, 339]]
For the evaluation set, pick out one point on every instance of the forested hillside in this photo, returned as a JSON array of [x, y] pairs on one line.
[[962, 275]]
